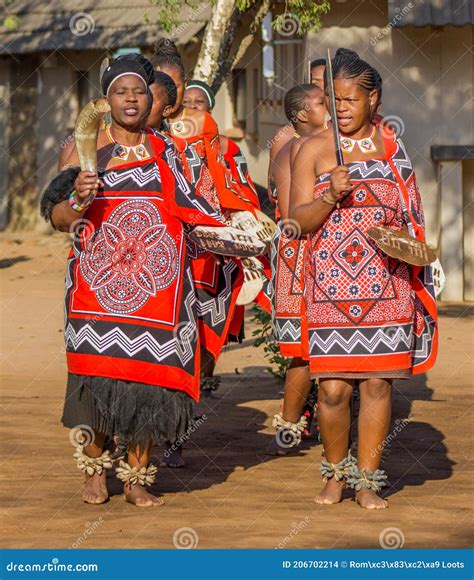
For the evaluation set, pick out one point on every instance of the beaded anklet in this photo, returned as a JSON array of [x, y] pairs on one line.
[[366, 479], [91, 465], [136, 475], [339, 470], [288, 433]]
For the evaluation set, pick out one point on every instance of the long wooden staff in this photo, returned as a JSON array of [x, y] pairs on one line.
[[332, 110]]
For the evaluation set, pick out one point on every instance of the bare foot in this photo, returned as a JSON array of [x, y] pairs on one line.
[[369, 500], [331, 493], [173, 458], [95, 490], [139, 496]]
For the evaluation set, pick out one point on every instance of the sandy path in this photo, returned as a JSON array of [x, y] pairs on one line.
[[230, 494]]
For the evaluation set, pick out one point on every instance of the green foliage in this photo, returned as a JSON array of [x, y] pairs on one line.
[[168, 12], [264, 336], [11, 22], [305, 16], [244, 5]]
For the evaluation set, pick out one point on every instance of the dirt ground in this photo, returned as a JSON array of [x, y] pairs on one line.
[[230, 494]]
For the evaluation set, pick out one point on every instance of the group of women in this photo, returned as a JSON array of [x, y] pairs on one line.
[[148, 312]]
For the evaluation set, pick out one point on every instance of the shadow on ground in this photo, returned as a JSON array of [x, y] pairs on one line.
[[417, 452]]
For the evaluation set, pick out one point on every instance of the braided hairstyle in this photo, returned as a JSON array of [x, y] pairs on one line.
[[166, 54], [348, 65], [378, 87], [167, 84], [295, 101]]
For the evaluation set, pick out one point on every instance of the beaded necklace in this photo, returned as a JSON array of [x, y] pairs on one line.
[[366, 145], [122, 152]]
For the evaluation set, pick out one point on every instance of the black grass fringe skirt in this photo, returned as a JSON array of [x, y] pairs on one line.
[[136, 412]]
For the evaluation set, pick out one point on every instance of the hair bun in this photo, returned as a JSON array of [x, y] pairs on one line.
[[167, 48], [346, 52]]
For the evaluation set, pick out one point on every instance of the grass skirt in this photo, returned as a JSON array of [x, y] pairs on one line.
[[136, 412]]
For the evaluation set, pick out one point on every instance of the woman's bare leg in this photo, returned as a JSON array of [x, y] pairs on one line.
[[95, 490], [297, 388], [334, 416], [137, 494], [374, 422]]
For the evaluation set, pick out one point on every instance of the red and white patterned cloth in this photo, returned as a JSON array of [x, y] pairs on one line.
[[130, 297], [364, 311], [287, 259]]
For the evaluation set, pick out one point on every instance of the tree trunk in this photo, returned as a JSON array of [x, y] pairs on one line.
[[218, 55], [218, 31]]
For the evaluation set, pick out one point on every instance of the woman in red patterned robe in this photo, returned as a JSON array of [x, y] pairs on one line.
[[369, 318], [131, 339], [198, 96], [217, 282]]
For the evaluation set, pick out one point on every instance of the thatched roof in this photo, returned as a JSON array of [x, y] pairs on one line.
[[90, 24]]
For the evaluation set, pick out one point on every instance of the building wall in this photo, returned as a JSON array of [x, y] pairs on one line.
[[41, 97], [22, 141], [59, 94]]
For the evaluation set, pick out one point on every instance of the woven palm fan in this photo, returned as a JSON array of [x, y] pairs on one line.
[[253, 281], [227, 241], [399, 244], [86, 132]]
